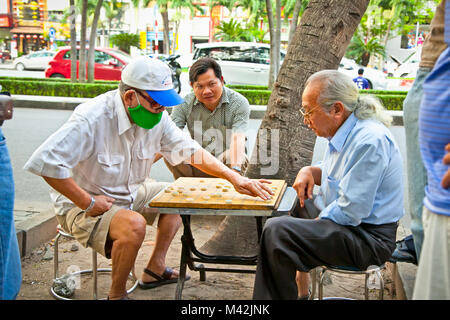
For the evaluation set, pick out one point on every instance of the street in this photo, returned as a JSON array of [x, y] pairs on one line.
[[6, 70]]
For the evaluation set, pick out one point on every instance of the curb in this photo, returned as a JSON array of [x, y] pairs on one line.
[[33, 232]]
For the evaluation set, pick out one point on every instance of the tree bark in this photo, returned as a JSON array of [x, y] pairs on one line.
[[295, 14], [73, 42], [272, 42], [165, 19], [92, 42], [320, 41], [82, 65]]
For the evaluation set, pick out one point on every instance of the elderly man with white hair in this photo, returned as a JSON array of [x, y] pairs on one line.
[[361, 193]]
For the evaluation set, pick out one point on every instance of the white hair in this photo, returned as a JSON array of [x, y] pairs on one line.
[[337, 86]]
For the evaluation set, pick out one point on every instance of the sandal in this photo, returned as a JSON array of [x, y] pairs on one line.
[[165, 278]]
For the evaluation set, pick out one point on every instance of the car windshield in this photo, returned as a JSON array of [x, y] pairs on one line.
[[122, 55]]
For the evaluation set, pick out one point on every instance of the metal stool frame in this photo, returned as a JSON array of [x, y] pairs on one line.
[[94, 271], [367, 273]]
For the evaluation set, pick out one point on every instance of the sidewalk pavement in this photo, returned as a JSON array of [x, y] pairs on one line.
[[36, 227]]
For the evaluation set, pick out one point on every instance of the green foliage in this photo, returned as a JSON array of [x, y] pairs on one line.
[[360, 50], [125, 40], [232, 31], [259, 95], [56, 88]]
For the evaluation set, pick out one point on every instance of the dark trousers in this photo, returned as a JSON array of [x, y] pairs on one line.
[[290, 243]]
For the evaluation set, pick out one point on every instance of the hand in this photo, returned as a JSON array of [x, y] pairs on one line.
[[254, 188], [101, 205], [304, 185], [446, 160]]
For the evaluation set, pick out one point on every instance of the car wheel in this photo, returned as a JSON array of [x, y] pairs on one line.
[[57, 75], [20, 67]]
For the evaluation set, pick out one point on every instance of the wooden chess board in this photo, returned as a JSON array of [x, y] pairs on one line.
[[214, 193]]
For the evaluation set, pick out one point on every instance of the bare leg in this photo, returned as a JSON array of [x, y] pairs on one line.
[[127, 232], [168, 226], [302, 279]]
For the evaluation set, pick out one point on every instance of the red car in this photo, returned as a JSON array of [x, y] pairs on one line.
[[108, 64]]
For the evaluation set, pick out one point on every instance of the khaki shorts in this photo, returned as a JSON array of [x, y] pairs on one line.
[[93, 231]]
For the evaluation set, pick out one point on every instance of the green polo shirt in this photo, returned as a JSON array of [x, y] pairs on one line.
[[213, 130]]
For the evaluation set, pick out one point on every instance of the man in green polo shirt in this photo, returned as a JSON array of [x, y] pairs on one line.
[[216, 117]]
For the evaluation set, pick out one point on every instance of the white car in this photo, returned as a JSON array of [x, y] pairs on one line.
[[406, 69], [248, 63], [377, 79], [242, 63], [36, 60]]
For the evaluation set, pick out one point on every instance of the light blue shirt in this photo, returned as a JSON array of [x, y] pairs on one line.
[[361, 175]]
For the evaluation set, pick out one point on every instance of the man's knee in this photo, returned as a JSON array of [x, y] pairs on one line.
[[130, 227], [275, 227]]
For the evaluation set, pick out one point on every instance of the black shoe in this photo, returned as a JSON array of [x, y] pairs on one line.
[[403, 252]]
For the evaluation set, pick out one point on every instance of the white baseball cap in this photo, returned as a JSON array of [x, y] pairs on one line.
[[153, 76]]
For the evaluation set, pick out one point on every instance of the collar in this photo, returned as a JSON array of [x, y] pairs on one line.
[[339, 138], [122, 118]]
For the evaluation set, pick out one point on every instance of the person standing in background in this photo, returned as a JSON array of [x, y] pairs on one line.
[[409, 248], [433, 273], [360, 81], [10, 266]]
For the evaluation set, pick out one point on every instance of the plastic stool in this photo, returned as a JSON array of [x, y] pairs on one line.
[[374, 271], [94, 271]]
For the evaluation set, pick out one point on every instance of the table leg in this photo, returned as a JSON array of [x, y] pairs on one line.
[[186, 258], [183, 265]]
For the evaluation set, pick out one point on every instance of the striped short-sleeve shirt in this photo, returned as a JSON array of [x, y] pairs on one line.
[[213, 129], [434, 127]]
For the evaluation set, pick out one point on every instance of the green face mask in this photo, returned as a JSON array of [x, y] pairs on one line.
[[144, 118]]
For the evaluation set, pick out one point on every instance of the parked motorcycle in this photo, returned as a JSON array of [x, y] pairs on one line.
[[174, 66], [176, 70]]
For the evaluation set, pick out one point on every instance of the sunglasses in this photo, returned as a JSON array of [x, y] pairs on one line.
[[153, 103]]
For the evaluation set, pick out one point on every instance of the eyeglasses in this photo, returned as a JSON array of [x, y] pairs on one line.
[[306, 114], [153, 103]]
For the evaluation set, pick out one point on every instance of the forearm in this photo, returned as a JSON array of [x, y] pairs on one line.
[[69, 188], [207, 163], [316, 172]]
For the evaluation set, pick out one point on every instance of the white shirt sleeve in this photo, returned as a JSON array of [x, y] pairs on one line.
[[63, 150], [176, 145]]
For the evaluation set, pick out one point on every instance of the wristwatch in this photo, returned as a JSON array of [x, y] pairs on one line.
[[236, 168]]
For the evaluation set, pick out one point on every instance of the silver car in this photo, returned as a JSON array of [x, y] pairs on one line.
[[36, 60], [242, 63]]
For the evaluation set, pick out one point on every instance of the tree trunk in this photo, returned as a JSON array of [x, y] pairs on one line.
[[165, 19], [295, 14], [73, 42], [272, 35], [275, 40], [92, 41], [82, 65], [175, 35], [320, 41]]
